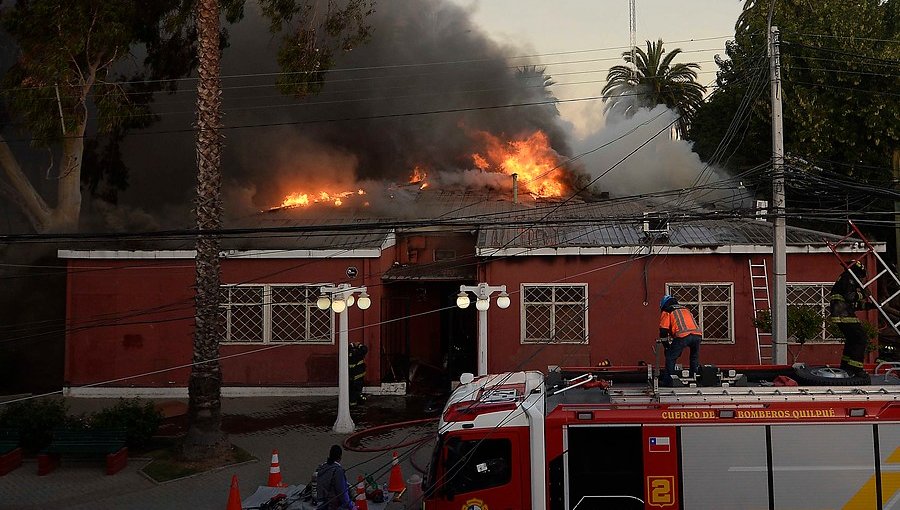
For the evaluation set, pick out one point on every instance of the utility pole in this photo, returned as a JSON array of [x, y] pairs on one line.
[[632, 30], [896, 168], [779, 242]]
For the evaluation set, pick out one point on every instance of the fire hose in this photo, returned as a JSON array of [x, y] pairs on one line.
[[353, 440]]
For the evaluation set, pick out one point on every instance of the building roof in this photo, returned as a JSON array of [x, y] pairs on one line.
[[528, 227]]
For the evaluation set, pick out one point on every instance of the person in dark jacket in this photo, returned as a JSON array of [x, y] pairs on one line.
[[847, 296], [677, 324], [332, 489], [357, 372]]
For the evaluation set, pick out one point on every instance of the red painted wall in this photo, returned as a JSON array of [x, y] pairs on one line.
[[130, 317], [621, 326]]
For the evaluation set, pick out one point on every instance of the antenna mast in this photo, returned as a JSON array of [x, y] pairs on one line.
[[632, 28]]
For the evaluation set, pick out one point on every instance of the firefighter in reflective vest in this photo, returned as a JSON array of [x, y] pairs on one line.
[[357, 372], [677, 324], [846, 298]]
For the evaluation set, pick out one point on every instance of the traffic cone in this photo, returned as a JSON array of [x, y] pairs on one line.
[[234, 495], [361, 502], [275, 472], [396, 483]]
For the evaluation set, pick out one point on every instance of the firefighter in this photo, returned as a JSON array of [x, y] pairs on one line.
[[846, 298], [678, 327], [357, 372]]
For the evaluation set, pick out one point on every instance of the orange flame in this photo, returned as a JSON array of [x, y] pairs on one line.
[[538, 166], [322, 197], [418, 177]]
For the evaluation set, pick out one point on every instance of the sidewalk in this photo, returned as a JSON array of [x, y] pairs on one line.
[[299, 428]]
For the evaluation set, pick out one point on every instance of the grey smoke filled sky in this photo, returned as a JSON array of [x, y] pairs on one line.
[[425, 55], [290, 149]]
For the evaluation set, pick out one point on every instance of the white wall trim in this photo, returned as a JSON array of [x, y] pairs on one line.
[[227, 391], [228, 254], [753, 249]]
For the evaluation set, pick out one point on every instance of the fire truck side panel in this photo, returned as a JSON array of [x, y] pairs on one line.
[[709, 455], [831, 463], [660, 445], [889, 455]]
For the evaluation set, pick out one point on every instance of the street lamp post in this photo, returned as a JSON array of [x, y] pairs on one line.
[[341, 298], [482, 293]]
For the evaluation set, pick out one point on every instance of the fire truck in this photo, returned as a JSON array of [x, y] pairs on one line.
[[727, 438]]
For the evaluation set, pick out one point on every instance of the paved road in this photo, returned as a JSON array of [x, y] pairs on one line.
[[298, 428]]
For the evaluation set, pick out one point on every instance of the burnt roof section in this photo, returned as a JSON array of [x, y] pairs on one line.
[[500, 223]]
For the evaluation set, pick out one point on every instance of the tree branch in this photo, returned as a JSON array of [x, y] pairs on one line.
[[28, 198]]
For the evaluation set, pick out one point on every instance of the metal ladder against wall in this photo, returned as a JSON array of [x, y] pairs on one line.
[[759, 293], [882, 270]]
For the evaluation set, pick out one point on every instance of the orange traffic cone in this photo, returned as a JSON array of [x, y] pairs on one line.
[[234, 495], [396, 483], [361, 502], [275, 472]]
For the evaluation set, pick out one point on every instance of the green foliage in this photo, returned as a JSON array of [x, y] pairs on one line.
[[803, 322], [140, 420], [35, 420], [839, 81], [654, 80], [313, 40]]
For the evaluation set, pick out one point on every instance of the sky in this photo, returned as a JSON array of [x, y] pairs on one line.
[[699, 27]]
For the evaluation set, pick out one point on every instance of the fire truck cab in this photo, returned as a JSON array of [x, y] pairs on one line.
[[610, 438]]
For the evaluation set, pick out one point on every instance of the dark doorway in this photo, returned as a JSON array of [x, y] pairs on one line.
[[426, 340]]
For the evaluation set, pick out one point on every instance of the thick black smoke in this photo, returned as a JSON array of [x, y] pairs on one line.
[[424, 56]]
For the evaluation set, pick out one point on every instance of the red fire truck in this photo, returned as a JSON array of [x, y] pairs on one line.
[[612, 439]]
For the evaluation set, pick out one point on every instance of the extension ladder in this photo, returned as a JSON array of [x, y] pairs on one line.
[[759, 292], [882, 269]]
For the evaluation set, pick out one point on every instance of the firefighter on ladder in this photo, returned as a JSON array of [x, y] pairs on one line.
[[846, 298]]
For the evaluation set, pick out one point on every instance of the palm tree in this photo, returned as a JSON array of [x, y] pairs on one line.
[[205, 437], [653, 80]]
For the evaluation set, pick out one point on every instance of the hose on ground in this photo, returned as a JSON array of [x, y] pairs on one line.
[[352, 441]]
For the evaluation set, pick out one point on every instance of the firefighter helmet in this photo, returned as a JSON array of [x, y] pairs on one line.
[[858, 267], [666, 301]]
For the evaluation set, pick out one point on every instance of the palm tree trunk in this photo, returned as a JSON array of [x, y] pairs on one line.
[[205, 437]]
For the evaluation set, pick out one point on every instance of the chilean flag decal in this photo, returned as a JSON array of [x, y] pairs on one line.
[[659, 444]]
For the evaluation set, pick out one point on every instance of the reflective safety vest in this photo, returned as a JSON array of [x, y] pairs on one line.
[[679, 322]]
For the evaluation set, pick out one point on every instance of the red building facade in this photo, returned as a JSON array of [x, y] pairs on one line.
[[130, 313]]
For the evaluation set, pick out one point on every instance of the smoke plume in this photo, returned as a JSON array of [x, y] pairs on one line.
[[411, 96], [662, 165]]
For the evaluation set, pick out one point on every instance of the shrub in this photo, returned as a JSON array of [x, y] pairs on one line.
[[139, 419], [35, 420]]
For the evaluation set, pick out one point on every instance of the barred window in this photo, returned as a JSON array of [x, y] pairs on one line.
[[273, 314], [817, 296], [712, 305], [554, 313]]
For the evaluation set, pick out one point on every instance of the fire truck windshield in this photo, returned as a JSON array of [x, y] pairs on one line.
[[474, 464]]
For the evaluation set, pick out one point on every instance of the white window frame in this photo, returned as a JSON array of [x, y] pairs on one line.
[[267, 316], [826, 293], [700, 305], [524, 315]]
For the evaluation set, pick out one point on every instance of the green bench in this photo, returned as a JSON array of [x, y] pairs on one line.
[[10, 453], [85, 443]]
